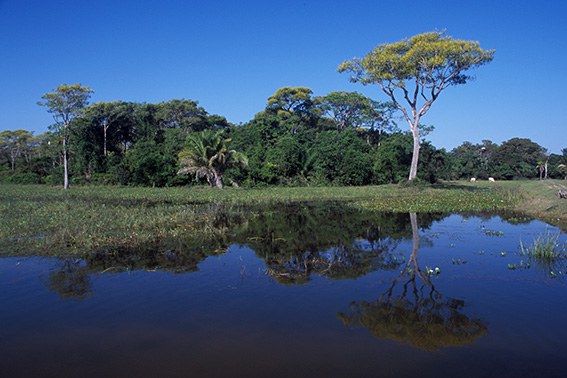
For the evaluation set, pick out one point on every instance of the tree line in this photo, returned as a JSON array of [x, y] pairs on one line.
[[342, 138]]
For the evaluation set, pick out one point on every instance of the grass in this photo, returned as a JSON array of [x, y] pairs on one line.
[[48, 220], [545, 248]]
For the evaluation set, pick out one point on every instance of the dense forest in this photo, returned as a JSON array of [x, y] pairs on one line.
[[342, 138]]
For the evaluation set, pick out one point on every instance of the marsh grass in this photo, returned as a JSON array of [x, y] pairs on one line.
[[49, 221], [545, 248]]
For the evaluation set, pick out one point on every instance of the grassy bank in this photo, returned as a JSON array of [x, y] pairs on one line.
[[39, 219]]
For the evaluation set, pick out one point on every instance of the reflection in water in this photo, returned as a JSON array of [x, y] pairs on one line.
[[70, 279], [334, 241], [160, 324], [295, 242], [416, 313], [339, 262]]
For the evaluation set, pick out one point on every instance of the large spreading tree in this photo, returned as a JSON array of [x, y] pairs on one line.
[[414, 72], [66, 103]]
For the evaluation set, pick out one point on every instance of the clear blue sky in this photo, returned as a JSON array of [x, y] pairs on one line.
[[232, 55]]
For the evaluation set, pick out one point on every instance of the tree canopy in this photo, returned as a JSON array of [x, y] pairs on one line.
[[341, 138], [417, 70], [66, 103]]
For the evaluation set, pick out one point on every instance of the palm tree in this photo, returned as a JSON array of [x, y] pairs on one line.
[[207, 155]]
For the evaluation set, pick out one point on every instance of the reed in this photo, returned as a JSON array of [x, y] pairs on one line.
[[545, 248]]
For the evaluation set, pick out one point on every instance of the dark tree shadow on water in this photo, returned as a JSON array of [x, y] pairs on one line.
[[70, 279], [412, 311]]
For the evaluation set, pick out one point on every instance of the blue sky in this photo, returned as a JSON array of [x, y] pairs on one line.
[[232, 55]]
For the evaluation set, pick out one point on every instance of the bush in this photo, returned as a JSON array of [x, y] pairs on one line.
[[24, 178], [104, 179]]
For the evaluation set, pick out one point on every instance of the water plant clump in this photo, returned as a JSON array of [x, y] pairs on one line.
[[545, 248]]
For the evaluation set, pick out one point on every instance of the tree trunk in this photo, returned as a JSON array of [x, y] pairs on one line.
[[104, 128], [415, 154], [218, 181], [65, 168], [211, 180], [414, 234]]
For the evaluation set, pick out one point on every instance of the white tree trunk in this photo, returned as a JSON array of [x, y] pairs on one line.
[[65, 168], [104, 128], [415, 154]]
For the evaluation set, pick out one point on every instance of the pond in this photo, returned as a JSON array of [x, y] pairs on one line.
[[295, 293]]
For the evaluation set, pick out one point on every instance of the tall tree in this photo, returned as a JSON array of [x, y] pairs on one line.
[[15, 144], [105, 114], [349, 109], [66, 103], [184, 114], [417, 70], [518, 158]]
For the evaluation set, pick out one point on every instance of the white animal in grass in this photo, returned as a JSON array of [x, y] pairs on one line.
[[473, 179], [491, 179]]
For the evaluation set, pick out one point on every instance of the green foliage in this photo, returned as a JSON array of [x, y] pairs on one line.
[[66, 103], [351, 109], [288, 101], [418, 70], [544, 248], [342, 158], [27, 178], [518, 158], [15, 145], [138, 218], [149, 165], [393, 159], [434, 59], [286, 156], [207, 155], [183, 114], [342, 138]]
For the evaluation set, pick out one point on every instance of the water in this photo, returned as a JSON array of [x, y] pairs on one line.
[[285, 299]]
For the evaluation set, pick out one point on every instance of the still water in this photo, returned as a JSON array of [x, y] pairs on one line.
[[394, 296]]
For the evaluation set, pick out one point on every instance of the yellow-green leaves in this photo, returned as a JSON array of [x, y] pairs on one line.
[[418, 68], [432, 58]]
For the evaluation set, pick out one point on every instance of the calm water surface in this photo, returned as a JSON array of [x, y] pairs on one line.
[[282, 303]]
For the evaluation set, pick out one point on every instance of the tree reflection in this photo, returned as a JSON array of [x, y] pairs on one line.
[[339, 262], [412, 311], [70, 279], [296, 241], [325, 239]]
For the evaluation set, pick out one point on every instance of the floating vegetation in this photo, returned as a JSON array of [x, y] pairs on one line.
[[431, 271], [519, 266], [493, 233]]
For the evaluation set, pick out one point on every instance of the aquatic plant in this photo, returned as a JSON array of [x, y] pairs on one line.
[[493, 233], [545, 247]]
